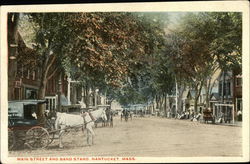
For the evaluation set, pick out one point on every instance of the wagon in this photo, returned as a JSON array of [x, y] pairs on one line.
[[208, 116], [23, 127]]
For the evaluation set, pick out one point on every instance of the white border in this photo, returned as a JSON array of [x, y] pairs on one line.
[[226, 6]]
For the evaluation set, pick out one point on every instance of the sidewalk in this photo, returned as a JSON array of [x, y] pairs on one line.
[[236, 123]]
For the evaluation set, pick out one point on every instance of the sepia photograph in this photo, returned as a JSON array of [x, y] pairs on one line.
[[125, 83]]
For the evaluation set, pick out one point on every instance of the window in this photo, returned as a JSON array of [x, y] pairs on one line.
[[19, 71], [228, 88], [225, 88], [30, 94], [33, 75], [220, 88], [28, 74], [239, 104], [238, 81], [51, 105]]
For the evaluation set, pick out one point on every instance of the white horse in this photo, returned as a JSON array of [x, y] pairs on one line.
[[64, 120]]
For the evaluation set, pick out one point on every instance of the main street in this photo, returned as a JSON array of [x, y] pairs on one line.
[[151, 137]]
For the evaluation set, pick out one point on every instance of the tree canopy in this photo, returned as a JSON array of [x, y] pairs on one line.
[[129, 55]]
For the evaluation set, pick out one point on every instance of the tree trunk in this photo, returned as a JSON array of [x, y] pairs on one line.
[[157, 101], [42, 87], [179, 100], [197, 95], [41, 96], [86, 96], [161, 102], [223, 86], [207, 88], [165, 107]]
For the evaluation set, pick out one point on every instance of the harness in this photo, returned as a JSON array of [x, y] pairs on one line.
[[93, 119], [91, 116]]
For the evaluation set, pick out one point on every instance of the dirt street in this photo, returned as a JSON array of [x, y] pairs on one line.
[[151, 137]]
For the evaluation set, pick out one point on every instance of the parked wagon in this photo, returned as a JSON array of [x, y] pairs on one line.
[[208, 116], [23, 125]]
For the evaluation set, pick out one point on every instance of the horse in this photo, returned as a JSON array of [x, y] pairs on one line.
[[86, 119]]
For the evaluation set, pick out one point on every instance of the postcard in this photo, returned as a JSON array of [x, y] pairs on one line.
[[125, 82]]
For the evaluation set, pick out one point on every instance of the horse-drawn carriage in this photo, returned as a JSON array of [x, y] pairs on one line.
[[24, 128], [208, 116]]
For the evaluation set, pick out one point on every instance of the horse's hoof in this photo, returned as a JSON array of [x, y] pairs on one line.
[[60, 147]]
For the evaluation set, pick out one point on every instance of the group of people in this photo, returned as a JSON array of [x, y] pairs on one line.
[[126, 114], [189, 115]]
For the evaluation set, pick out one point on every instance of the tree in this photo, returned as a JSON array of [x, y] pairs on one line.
[[207, 41], [50, 35], [96, 48], [113, 47]]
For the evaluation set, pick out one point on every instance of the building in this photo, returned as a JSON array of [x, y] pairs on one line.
[[23, 81], [228, 98]]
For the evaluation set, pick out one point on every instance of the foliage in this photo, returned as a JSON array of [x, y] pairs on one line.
[[202, 43], [127, 55]]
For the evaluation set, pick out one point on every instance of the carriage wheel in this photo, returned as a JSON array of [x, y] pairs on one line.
[[11, 139], [37, 137]]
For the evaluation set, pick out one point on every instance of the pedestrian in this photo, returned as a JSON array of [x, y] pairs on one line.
[[239, 115], [221, 118]]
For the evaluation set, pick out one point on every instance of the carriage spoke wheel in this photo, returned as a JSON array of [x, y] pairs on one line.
[[11, 139], [37, 137]]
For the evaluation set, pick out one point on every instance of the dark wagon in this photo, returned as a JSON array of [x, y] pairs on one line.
[[208, 116], [23, 127]]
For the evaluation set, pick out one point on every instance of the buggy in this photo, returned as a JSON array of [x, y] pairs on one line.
[[23, 127], [208, 116]]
